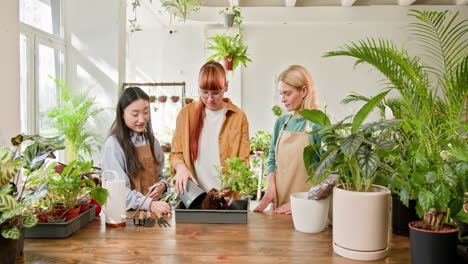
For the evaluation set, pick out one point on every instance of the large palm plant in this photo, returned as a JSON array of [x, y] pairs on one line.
[[432, 92]]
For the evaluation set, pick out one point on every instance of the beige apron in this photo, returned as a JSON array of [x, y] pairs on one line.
[[291, 173], [147, 176]]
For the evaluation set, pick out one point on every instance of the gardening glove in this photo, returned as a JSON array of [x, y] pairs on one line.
[[284, 209], [182, 176]]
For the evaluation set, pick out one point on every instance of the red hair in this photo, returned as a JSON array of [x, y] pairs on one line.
[[212, 77]]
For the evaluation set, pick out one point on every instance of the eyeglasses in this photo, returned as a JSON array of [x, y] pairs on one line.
[[206, 94]]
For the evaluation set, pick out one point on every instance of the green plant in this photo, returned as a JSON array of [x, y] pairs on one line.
[[237, 177], [432, 89], [233, 10], [350, 146], [277, 110], [71, 117], [183, 8], [15, 205], [227, 46], [261, 141], [134, 26]]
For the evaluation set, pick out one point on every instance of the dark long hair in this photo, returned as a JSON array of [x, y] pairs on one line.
[[212, 77], [122, 132]]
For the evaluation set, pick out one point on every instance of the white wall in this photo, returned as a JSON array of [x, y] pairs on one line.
[[9, 72], [273, 45], [94, 47]]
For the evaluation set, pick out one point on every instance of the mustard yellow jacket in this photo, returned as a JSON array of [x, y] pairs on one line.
[[233, 137]]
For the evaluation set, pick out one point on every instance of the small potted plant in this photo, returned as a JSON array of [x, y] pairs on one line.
[[232, 15], [230, 50], [188, 100], [162, 99], [175, 98], [152, 98]]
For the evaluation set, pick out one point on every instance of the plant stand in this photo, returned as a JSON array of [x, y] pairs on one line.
[[361, 222]]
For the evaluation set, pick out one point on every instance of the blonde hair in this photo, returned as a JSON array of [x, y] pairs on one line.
[[298, 76]]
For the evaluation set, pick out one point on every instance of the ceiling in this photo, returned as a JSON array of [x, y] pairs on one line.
[[305, 3]]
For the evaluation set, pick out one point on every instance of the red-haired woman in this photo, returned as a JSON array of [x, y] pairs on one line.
[[207, 133]]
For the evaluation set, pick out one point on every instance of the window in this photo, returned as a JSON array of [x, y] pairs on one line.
[[42, 59]]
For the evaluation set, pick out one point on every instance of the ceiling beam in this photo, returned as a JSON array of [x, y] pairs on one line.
[[462, 2], [290, 3], [347, 2], [406, 2]]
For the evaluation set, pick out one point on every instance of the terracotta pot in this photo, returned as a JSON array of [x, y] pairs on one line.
[[69, 215], [188, 100], [84, 205], [162, 99], [227, 63], [152, 98], [175, 99]]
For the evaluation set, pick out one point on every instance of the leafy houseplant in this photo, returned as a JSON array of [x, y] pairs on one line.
[[71, 117], [432, 90], [277, 111], [183, 8], [232, 15], [260, 142], [230, 49], [14, 204]]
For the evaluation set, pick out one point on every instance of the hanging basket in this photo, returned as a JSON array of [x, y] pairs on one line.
[[175, 99], [227, 63], [162, 99], [228, 20]]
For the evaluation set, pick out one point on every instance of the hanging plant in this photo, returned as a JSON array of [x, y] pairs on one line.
[[188, 100], [183, 8], [162, 99], [134, 26], [152, 98], [230, 50], [175, 98]]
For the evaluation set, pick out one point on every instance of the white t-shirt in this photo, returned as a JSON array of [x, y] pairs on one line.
[[208, 150]]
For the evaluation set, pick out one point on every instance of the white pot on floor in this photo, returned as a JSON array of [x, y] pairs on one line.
[[309, 216]]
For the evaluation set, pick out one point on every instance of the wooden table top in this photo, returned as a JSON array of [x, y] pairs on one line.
[[267, 238]]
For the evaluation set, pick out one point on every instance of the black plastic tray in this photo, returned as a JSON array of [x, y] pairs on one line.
[[61, 229], [235, 214]]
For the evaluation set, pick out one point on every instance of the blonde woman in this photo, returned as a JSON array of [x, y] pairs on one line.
[[286, 170]]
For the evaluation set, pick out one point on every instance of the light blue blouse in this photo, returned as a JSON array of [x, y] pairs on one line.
[[113, 158]]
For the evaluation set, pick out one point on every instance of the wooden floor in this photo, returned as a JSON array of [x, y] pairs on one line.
[[267, 238]]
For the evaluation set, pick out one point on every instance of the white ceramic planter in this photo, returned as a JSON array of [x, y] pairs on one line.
[[361, 223], [309, 216]]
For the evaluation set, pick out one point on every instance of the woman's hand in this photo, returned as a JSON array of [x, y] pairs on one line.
[[156, 190], [284, 209], [270, 195], [160, 207], [181, 178]]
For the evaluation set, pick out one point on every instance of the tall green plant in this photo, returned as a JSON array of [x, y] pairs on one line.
[[71, 118], [433, 88], [233, 47]]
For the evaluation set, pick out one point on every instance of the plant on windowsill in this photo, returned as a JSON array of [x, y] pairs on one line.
[[71, 118], [230, 50]]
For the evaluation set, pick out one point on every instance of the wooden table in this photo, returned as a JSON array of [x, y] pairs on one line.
[[267, 238]]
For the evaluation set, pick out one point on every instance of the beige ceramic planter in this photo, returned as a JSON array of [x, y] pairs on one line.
[[361, 222], [309, 216]]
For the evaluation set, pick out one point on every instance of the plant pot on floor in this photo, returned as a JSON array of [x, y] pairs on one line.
[[361, 222], [433, 247], [402, 215], [309, 215]]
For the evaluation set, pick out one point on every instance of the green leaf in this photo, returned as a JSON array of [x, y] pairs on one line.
[[326, 161], [311, 154], [366, 109], [8, 188], [417, 180], [455, 206], [462, 216], [379, 125], [7, 202], [427, 200], [12, 232], [421, 161], [29, 221], [404, 194], [368, 161], [431, 177], [443, 194], [449, 175], [380, 143], [100, 195], [316, 116], [351, 143]]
